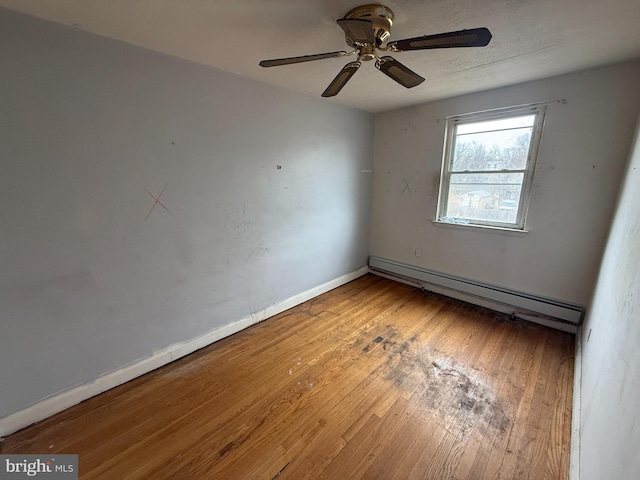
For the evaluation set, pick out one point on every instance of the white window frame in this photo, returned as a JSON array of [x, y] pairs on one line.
[[449, 153]]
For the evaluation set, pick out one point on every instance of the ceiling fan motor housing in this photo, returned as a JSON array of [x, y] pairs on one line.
[[381, 18]]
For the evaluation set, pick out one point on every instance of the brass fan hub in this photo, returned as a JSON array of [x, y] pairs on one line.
[[367, 52], [380, 16]]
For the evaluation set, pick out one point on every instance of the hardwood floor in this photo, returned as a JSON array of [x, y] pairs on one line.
[[372, 380]]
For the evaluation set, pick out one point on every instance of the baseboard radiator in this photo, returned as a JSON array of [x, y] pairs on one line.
[[550, 312]]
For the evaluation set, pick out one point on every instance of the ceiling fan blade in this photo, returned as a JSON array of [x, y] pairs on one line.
[[357, 30], [398, 72], [305, 58], [341, 79], [476, 37]]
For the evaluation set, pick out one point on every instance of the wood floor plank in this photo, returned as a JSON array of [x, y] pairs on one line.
[[358, 454], [374, 379], [395, 450]]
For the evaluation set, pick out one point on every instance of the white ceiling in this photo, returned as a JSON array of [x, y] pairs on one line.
[[531, 39]]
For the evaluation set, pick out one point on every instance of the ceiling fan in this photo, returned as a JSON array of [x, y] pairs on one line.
[[366, 28]]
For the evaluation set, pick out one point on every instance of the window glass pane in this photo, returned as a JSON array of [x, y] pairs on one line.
[[492, 197], [493, 145]]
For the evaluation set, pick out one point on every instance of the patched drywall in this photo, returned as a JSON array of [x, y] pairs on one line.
[[610, 413], [146, 200], [584, 147]]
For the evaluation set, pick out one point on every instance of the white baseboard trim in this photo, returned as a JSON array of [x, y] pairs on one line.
[[551, 313], [574, 449], [68, 398]]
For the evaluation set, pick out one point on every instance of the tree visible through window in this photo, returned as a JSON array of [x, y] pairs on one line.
[[488, 167]]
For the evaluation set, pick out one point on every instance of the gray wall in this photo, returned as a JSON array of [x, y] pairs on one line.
[[584, 148], [610, 416], [88, 282]]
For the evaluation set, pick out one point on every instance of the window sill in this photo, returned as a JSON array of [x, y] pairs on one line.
[[438, 223]]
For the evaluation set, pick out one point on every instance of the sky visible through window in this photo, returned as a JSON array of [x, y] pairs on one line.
[[493, 125]]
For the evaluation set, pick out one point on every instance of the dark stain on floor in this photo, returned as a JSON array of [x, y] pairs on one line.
[[455, 393]]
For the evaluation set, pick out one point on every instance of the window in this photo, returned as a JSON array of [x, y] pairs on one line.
[[488, 165]]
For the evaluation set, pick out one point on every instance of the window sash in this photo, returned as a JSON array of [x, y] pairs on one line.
[[448, 157]]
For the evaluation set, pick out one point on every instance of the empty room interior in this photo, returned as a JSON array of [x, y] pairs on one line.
[[228, 254]]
